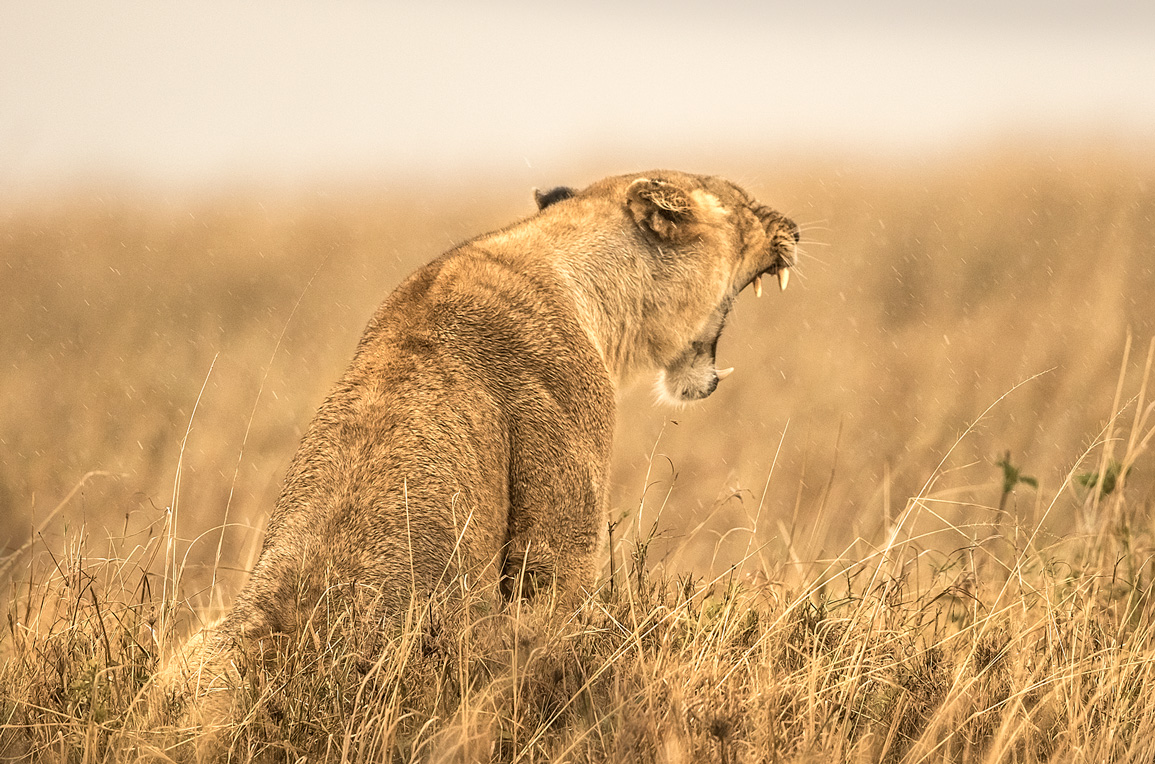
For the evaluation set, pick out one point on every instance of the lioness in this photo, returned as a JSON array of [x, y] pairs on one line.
[[467, 445]]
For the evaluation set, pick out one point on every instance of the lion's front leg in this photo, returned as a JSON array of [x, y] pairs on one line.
[[537, 566], [556, 532]]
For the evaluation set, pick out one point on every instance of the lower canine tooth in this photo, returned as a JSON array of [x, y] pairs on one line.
[[723, 373], [758, 285], [783, 278]]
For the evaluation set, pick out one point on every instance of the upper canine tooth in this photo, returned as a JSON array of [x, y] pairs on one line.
[[723, 373], [758, 285], [783, 278]]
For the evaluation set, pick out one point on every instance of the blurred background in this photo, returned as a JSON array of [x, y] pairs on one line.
[[201, 204]]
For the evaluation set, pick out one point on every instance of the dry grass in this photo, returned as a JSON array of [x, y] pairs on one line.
[[781, 600]]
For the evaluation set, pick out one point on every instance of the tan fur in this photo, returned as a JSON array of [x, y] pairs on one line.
[[467, 445]]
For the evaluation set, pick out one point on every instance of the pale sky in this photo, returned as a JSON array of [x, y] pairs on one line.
[[208, 91]]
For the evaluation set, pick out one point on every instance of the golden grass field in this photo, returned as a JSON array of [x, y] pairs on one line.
[[824, 561]]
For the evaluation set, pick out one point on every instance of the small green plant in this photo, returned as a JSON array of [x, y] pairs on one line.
[[1104, 482], [1012, 476]]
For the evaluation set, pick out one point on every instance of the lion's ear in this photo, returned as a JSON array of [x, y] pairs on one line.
[[553, 196], [662, 208]]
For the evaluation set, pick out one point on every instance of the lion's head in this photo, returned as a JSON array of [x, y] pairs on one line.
[[692, 243]]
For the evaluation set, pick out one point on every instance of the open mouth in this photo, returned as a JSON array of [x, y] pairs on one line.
[[703, 363], [694, 374]]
